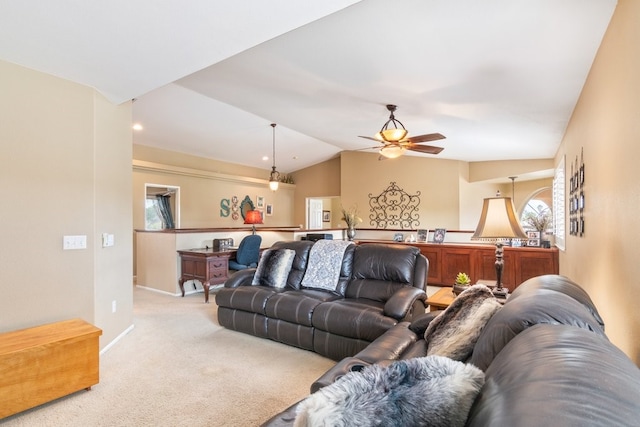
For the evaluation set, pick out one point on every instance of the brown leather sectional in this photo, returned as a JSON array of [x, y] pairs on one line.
[[379, 286], [546, 358]]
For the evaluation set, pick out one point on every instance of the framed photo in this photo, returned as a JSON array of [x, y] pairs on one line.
[[438, 235], [533, 242], [422, 235], [533, 234], [259, 202], [326, 216], [398, 237], [269, 210]]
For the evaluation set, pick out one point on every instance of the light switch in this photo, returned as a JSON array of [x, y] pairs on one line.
[[74, 242]]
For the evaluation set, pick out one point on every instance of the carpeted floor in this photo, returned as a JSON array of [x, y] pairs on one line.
[[178, 367]]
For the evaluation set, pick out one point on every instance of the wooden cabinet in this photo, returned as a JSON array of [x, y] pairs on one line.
[[478, 261], [207, 266], [520, 264]]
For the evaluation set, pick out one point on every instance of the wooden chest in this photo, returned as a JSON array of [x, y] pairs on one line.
[[47, 362]]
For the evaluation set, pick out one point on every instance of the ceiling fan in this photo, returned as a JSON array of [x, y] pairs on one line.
[[396, 142]]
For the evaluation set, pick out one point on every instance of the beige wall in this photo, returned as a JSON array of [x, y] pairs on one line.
[[321, 180], [65, 170], [606, 122], [203, 186]]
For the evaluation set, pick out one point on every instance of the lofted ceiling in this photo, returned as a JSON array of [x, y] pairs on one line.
[[499, 78]]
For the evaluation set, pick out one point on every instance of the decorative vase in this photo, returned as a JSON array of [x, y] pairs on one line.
[[351, 233], [458, 289]]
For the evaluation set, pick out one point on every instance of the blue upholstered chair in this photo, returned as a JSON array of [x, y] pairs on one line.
[[248, 253]]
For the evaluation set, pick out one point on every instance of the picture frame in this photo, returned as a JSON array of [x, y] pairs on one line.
[[533, 242], [260, 202], [326, 216], [422, 235], [398, 237], [439, 234], [269, 210], [533, 234]]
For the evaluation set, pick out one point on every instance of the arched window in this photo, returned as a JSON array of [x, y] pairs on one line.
[[537, 214]]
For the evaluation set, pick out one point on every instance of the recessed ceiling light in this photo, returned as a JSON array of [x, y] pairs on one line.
[[137, 126], [265, 158]]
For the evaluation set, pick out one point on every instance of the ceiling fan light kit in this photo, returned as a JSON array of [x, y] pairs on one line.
[[392, 151], [394, 137], [392, 134]]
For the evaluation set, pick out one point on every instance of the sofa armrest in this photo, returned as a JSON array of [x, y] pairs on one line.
[[240, 278], [400, 303]]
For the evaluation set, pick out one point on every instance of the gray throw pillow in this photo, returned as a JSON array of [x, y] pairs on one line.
[[274, 267], [454, 332], [425, 391]]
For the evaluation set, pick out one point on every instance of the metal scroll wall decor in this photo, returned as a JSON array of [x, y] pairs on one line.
[[576, 197], [394, 208]]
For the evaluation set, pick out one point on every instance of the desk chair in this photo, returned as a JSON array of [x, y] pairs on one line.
[[248, 253]]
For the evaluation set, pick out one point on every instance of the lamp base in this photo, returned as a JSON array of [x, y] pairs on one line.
[[500, 292]]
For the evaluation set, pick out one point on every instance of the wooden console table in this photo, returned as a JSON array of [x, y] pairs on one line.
[[207, 266], [43, 363], [446, 260]]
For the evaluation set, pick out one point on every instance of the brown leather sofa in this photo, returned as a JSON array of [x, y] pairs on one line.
[[379, 286], [546, 359]]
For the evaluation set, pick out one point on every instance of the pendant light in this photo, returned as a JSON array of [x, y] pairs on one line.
[[274, 177]]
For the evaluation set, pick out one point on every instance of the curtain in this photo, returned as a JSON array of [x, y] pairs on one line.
[[164, 206]]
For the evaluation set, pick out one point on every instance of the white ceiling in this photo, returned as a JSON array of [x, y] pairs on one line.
[[499, 78]]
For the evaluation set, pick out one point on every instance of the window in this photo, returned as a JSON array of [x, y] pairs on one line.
[[537, 214], [153, 216]]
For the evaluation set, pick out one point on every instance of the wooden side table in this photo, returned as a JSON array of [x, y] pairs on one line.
[[207, 266], [441, 299], [445, 296]]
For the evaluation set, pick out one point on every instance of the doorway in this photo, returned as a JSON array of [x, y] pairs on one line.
[[322, 212]]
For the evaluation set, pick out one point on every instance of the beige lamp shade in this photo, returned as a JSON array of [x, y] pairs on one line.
[[498, 221]]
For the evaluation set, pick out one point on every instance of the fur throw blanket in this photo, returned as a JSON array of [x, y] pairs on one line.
[[454, 332], [426, 391]]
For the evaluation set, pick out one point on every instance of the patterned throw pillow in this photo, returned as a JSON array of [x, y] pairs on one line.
[[274, 267]]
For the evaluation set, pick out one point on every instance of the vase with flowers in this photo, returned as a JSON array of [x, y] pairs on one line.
[[540, 221], [351, 218]]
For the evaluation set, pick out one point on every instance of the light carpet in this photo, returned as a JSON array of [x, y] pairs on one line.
[[179, 367]]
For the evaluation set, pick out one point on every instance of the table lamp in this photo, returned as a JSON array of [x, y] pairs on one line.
[[498, 221], [253, 217]]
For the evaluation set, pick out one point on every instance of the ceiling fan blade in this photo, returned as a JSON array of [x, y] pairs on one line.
[[368, 148], [425, 138], [429, 149], [371, 138]]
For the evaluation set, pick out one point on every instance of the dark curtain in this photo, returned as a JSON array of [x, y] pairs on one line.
[[164, 205]]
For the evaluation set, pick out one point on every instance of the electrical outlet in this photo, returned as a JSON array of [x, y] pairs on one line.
[[113, 306]]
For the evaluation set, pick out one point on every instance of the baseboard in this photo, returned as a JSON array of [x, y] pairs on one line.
[[116, 339], [177, 294]]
